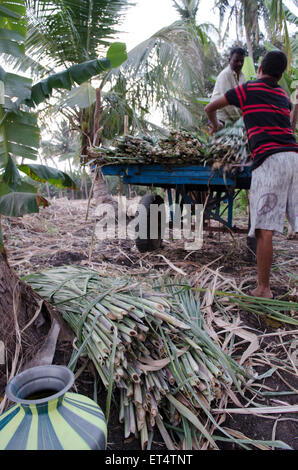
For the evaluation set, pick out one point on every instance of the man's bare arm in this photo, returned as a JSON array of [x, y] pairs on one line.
[[211, 109]]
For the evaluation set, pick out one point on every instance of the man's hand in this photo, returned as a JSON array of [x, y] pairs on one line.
[[215, 128], [211, 109]]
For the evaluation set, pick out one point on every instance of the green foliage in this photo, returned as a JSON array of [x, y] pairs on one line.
[[17, 203], [241, 204], [12, 27], [117, 54], [247, 16], [170, 69], [248, 69], [289, 80], [20, 135], [19, 132], [78, 74], [72, 31], [82, 180], [44, 173]]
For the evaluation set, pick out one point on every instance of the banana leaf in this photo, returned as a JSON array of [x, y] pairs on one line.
[[11, 175], [19, 136], [82, 97], [17, 86], [117, 54], [17, 203], [78, 74], [12, 28], [43, 174]]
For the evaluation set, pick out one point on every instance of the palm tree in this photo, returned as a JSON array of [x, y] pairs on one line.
[[19, 138], [171, 68], [277, 17], [247, 15], [176, 57], [68, 32]]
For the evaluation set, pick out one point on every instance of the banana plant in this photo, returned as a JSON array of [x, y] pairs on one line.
[[19, 131]]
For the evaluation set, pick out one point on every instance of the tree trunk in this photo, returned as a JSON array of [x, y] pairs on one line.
[[18, 305], [249, 43], [48, 190], [101, 193], [96, 125], [237, 26]]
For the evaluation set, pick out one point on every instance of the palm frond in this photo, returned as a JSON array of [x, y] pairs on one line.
[[168, 69], [74, 31]]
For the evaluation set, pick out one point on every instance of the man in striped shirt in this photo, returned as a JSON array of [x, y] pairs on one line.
[[274, 188]]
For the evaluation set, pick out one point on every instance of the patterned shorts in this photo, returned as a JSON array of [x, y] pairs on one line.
[[274, 193]]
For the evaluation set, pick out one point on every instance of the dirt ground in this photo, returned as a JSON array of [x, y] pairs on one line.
[[60, 235]]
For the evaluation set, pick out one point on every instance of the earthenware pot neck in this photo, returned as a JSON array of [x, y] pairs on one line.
[[40, 385]]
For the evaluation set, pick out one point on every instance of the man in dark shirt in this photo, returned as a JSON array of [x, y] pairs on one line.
[[274, 188]]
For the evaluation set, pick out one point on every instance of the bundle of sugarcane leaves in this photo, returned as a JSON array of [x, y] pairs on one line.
[[226, 148], [180, 147], [151, 345], [229, 146]]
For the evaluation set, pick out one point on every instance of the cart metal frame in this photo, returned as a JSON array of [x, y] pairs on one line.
[[222, 188]]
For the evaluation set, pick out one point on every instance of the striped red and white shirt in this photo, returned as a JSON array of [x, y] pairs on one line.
[[266, 112]]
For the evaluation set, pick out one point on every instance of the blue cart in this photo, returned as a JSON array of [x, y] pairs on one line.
[[186, 184]]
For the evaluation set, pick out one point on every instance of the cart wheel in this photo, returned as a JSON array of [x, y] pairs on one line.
[[146, 244]]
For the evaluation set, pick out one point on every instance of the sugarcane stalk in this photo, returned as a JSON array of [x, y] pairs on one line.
[[104, 338], [133, 374], [130, 323], [138, 398], [127, 330], [141, 336], [132, 418], [141, 417], [113, 308], [163, 383], [193, 364], [100, 371], [140, 306], [170, 376], [126, 422], [144, 436], [157, 395], [125, 337]]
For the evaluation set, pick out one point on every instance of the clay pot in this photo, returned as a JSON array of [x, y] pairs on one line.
[[48, 417]]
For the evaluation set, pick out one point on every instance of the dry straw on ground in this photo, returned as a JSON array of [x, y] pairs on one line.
[[59, 236]]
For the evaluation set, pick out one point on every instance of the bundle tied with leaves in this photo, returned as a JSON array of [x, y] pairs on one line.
[[227, 147], [151, 345], [179, 147], [230, 146]]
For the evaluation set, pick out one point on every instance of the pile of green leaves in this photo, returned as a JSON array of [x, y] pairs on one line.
[[154, 347]]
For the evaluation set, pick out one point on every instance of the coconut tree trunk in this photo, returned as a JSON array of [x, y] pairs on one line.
[[249, 43], [239, 42], [101, 193], [96, 124], [18, 305]]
